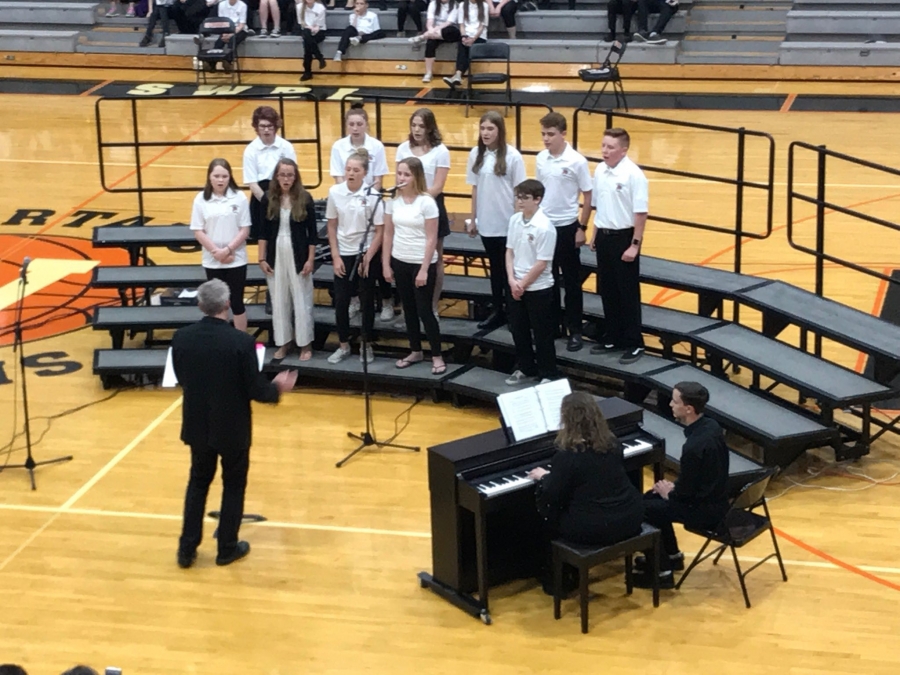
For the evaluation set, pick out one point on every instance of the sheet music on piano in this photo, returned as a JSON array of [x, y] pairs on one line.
[[533, 411]]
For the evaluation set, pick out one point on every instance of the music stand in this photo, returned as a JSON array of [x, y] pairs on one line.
[[18, 344], [367, 438]]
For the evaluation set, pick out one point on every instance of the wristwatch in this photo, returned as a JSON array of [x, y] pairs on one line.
[[583, 228], [636, 242]]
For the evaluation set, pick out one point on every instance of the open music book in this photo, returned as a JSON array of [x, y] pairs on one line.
[[533, 411], [169, 379]]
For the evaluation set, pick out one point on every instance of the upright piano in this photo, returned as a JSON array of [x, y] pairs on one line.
[[485, 529]]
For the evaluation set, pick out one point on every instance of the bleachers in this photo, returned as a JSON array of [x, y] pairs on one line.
[[842, 33]]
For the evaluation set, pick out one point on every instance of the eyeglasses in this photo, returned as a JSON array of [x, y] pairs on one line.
[[523, 198], [263, 126]]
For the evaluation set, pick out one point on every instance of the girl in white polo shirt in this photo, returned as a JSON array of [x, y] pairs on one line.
[[493, 170], [425, 143], [473, 26], [363, 27], [350, 206], [220, 220], [410, 254], [260, 158]]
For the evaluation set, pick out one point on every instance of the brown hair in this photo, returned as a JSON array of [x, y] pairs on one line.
[[693, 394], [360, 155], [479, 3], [620, 134], [583, 425], [414, 164], [268, 114], [496, 119], [554, 120], [531, 188], [432, 134], [208, 188], [298, 194], [356, 108]]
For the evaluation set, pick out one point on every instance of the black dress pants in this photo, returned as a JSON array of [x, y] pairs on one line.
[[495, 247], [412, 9], [160, 13], [462, 55], [235, 465], [417, 304], [624, 7], [448, 34], [311, 48], [620, 289], [344, 290], [533, 316], [661, 513], [350, 31], [567, 275]]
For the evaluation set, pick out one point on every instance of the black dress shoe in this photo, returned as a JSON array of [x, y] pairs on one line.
[[240, 550], [602, 348], [495, 320], [186, 558], [645, 579], [575, 343], [676, 562]]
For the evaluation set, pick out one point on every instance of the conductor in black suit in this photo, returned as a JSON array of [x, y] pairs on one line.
[[217, 367]]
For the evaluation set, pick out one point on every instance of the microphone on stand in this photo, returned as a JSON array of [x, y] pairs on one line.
[[24, 269], [385, 192]]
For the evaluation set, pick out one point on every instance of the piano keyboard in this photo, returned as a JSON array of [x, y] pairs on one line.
[[519, 479]]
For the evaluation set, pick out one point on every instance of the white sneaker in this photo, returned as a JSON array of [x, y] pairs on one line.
[[427, 77], [387, 313], [354, 41], [545, 380], [400, 322], [264, 33], [516, 378], [354, 308], [337, 56], [275, 33], [339, 355], [370, 354]]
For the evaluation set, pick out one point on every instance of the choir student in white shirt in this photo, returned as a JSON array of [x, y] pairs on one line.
[[442, 26], [287, 255], [260, 158], [220, 220], [356, 122], [409, 253], [311, 21], [425, 143], [494, 168], [363, 27], [351, 206], [473, 26]]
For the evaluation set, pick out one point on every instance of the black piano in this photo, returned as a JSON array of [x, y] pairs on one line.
[[485, 529]]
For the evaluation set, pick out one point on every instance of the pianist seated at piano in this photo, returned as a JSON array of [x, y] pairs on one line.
[[586, 497]]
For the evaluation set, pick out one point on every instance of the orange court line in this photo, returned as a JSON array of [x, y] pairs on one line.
[[128, 175], [788, 102], [95, 88], [424, 91], [876, 311], [837, 562]]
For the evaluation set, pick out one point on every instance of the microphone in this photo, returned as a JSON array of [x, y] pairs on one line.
[[24, 270], [390, 192], [393, 191]]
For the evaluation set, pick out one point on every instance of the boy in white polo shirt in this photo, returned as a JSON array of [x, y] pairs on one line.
[[530, 244]]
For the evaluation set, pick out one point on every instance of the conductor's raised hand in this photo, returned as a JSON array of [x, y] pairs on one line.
[[339, 269], [285, 380]]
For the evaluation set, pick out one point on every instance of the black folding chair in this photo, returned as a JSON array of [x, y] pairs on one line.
[[211, 30], [607, 73], [740, 526], [489, 52]]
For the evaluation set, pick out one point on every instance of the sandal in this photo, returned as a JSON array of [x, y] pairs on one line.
[[281, 353], [406, 362], [439, 369], [305, 353]]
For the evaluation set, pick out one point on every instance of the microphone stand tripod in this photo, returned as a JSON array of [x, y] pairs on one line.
[[18, 345], [367, 438]]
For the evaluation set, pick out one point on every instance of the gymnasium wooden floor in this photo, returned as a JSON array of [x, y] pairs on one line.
[[87, 562]]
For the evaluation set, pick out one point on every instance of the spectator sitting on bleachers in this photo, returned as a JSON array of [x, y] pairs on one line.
[[189, 14], [116, 10], [311, 22], [161, 12], [506, 10], [12, 669], [473, 23], [265, 7], [442, 26], [627, 9], [412, 9], [236, 10], [666, 9], [363, 27]]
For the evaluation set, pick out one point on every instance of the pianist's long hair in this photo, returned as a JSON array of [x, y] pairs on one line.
[[583, 425]]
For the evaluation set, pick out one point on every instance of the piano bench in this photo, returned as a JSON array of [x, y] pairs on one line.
[[584, 558]]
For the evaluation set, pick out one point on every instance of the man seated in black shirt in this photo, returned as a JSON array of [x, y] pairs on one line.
[[699, 498]]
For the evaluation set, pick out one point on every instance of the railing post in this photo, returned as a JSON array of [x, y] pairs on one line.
[[137, 159], [377, 118], [739, 215], [820, 237], [518, 109], [575, 128], [609, 119]]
